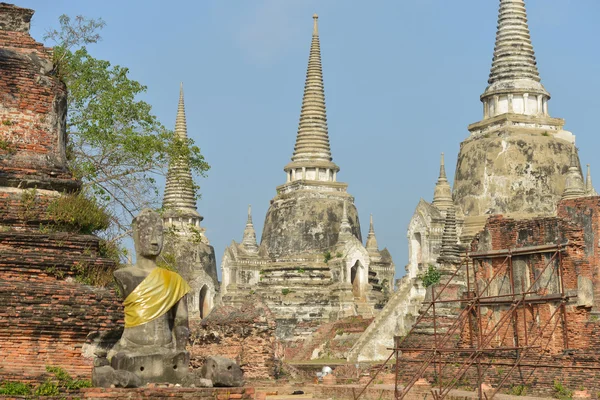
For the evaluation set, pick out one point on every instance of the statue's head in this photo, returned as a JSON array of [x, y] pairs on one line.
[[148, 233]]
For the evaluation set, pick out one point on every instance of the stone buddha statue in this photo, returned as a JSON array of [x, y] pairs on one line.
[[156, 321]]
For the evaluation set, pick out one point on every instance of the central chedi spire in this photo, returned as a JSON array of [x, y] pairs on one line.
[[306, 214], [312, 153], [311, 266]]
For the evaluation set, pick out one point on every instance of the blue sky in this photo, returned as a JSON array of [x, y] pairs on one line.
[[402, 82]]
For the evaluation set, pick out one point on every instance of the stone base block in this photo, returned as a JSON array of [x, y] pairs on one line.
[[158, 367]]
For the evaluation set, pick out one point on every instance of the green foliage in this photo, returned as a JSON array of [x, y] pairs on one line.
[[431, 277], [545, 134], [111, 250], [48, 388], [300, 270], [519, 390], [167, 261], [339, 255], [326, 257], [117, 146], [561, 392], [79, 213], [7, 146], [28, 203], [15, 389], [63, 381], [285, 291]]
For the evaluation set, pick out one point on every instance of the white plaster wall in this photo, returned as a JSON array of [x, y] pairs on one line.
[[225, 273], [532, 105], [503, 105]]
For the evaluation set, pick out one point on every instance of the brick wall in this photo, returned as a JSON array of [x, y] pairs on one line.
[[46, 310], [246, 335], [45, 313], [572, 360], [32, 109]]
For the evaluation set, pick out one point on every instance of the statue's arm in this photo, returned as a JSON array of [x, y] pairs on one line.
[[181, 326], [119, 279]]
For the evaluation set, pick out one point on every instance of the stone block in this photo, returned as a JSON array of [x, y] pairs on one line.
[[156, 367], [585, 292], [222, 372]]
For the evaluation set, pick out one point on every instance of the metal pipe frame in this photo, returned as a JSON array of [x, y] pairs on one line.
[[472, 311]]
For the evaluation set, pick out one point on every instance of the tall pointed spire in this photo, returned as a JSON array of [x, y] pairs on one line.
[[442, 195], [574, 186], [312, 150], [449, 253], [179, 194], [514, 82], [589, 187], [345, 227], [372, 245], [249, 240]]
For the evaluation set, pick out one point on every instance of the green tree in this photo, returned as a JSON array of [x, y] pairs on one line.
[[117, 146], [431, 277]]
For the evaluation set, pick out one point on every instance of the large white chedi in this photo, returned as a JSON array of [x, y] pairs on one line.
[[517, 161], [311, 265]]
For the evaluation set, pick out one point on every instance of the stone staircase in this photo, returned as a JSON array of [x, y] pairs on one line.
[[395, 319]]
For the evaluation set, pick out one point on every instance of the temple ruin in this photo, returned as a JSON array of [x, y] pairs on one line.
[[311, 266], [49, 312], [513, 163], [187, 248], [515, 304]]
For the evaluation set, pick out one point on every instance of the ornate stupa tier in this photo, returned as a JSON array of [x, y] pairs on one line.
[[515, 159], [249, 238], [308, 221], [312, 153], [514, 82], [449, 253], [442, 195], [179, 201], [371, 244], [574, 185], [589, 186]]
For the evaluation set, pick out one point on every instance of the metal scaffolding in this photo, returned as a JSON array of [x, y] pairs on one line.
[[481, 339]]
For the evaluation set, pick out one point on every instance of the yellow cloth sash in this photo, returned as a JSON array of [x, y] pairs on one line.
[[154, 296]]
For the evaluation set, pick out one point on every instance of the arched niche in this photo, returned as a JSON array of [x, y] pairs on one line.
[[204, 301]]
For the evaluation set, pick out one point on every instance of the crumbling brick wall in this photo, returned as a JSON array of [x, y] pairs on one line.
[[246, 335], [32, 109], [47, 311], [571, 361]]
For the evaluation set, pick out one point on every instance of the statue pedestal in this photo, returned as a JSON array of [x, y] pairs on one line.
[[153, 365]]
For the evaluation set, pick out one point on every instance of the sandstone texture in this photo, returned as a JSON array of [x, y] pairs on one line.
[[511, 174]]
